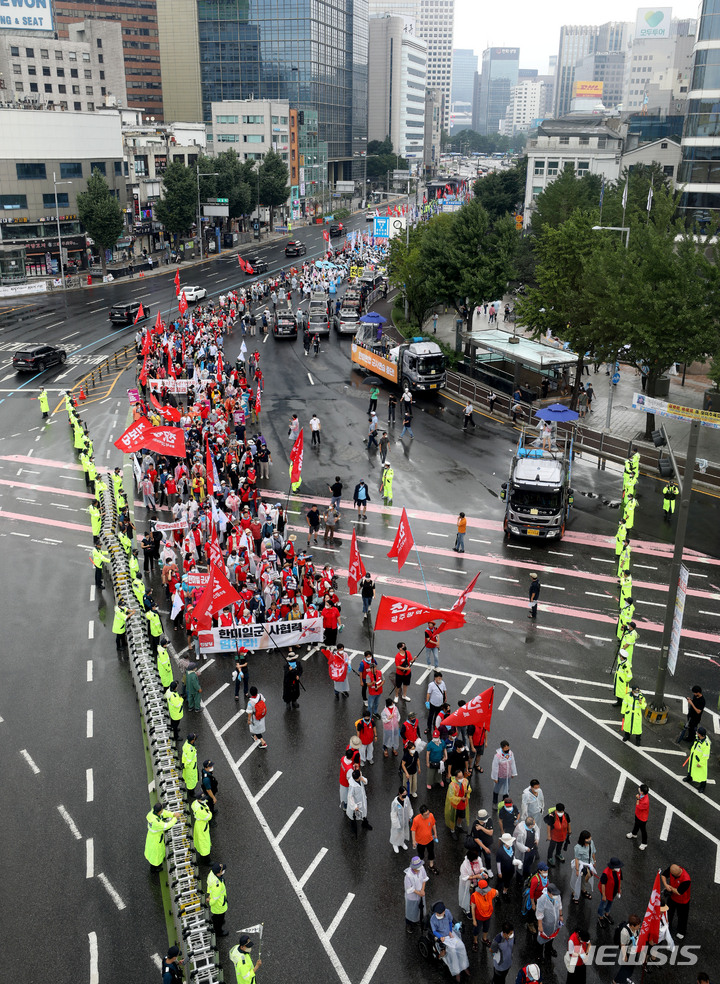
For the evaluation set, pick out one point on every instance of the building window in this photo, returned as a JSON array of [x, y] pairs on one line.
[[17, 69], [226, 119], [29, 52], [228, 138], [58, 56], [48, 87], [141, 166], [98, 166], [88, 90], [87, 73], [101, 59], [663, 145], [99, 42], [253, 138], [13, 201], [32, 70], [76, 90], [73, 73], [91, 107], [102, 75], [46, 72], [86, 56], [669, 170], [583, 168], [63, 106], [253, 119], [71, 169], [602, 142], [584, 141], [564, 141], [62, 88], [72, 56], [63, 199], [60, 73], [44, 53], [77, 106], [117, 167], [32, 171], [33, 87], [539, 167], [14, 51], [552, 168]]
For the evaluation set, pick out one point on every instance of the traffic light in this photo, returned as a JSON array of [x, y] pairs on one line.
[[518, 221]]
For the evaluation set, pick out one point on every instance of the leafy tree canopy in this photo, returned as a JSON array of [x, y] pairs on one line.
[[100, 214]]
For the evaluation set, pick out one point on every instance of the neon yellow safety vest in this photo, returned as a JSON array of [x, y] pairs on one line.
[[155, 839], [164, 666], [217, 894], [175, 705], [156, 629], [244, 966]]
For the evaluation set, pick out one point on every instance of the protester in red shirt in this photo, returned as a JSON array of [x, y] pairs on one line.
[[432, 645], [642, 812], [331, 622], [403, 672]]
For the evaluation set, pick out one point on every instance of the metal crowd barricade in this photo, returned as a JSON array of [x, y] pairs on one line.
[[190, 913]]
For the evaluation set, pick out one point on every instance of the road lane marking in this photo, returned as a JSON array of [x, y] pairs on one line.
[[271, 781], [578, 755], [374, 964], [89, 674], [89, 727], [26, 755], [667, 820], [557, 553], [90, 786], [622, 779], [201, 669], [603, 560], [506, 699], [552, 587], [71, 335], [217, 693], [339, 915], [92, 592], [70, 822], [111, 891], [443, 535], [492, 618], [302, 881], [468, 685], [598, 638], [289, 824], [94, 973], [232, 721], [647, 567], [540, 725], [496, 577], [246, 754], [91, 630], [312, 381], [157, 960], [89, 858]]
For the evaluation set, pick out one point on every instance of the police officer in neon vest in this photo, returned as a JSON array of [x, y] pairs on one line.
[[217, 898], [698, 760], [189, 762], [164, 666], [175, 707], [119, 625], [245, 970], [158, 821], [201, 828], [99, 558], [632, 711]]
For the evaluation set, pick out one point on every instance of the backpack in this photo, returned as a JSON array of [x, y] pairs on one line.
[[260, 709], [618, 930]]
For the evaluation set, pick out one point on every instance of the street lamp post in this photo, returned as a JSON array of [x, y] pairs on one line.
[[202, 174], [624, 229], [60, 252]]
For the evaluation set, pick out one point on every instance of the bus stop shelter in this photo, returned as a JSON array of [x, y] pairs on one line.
[[505, 362]]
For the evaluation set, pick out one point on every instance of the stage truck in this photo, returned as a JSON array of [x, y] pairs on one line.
[[418, 365], [538, 495]]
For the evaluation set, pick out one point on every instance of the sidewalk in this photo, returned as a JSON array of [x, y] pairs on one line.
[[625, 423]]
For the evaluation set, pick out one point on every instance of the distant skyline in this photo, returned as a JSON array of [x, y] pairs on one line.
[[535, 29]]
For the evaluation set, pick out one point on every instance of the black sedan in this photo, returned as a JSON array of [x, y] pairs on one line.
[[295, 248], [256, 265], [336, 230], [37, 357]]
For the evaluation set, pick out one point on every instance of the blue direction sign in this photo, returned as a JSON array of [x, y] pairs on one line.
[[381, 227], [616, 378]]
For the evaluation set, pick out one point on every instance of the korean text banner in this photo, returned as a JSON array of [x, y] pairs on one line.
[[302, 632]]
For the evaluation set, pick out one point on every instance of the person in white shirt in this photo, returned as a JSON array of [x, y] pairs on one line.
[[315, 430]]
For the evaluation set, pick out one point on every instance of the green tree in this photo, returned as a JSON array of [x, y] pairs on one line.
[[560, 199], [408, 272], [100, 214], [657, 295], [502, 192], [235, 182], [379, 165], [274, 187], [380, 147], [177, 209]]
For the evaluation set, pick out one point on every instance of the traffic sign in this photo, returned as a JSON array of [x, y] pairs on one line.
[[616, 378]]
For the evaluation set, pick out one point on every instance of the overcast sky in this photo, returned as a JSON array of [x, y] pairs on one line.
[[534, 27]]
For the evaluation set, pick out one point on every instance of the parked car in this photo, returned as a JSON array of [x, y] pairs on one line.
[[193, 293], [346, 322], [38, 356], [125, 314], [295, 248], [285, 325]]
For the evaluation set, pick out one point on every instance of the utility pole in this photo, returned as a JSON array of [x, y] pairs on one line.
[[657, 708], [203, 174]]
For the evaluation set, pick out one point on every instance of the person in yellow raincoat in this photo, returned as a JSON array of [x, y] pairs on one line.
[[457, 803]]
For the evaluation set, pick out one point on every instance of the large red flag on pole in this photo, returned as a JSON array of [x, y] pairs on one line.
[[177, 285], [140, 314], [158, 325], [183, 304], [218, 594], [404, 542], [399, 613], [296, 462], [209, 464], [356, 568], [650, 929], [477, 711]]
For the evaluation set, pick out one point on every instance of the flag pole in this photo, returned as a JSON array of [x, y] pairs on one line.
[[417, 554]]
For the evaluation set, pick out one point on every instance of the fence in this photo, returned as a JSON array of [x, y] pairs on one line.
[[111, 364], [189, 911], [604, 447]]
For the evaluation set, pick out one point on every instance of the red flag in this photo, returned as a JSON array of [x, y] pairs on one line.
[[140, 314], [147, 342], [143, 372], [399, 613], [218, 594], [209, 469], [169, 413], [242, 264], [459, 605], [166, 440], [177, 285], [183, 304], [477, 711], [257, 406], [158, 325], [134, 437], [356, 568], [326, 236], [403, 541], [214, 552], [249, 269], [650, 929], [296, 459], [219, 366], [171, 366]]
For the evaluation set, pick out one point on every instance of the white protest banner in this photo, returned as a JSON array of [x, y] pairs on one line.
[[166, 527], [282, 634], [170, 385]]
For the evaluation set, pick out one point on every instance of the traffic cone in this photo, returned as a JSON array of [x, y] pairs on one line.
[[141, 275], [82, 394]]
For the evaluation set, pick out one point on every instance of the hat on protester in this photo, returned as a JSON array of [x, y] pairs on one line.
[[482, 883], [416, 862], [354, 742], [482, 814], [615, 863], [533, 577], [532, 972], [542, 866], [439, 907], [508, 840]]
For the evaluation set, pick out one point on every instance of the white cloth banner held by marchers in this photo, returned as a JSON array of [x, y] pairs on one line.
[[302, 632]]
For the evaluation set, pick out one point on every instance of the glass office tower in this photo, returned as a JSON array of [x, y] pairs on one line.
[[699, 171], [311, 52]]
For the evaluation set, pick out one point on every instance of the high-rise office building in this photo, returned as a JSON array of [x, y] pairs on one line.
[[530, 101], [465, 64], [312, 53], [138, 21], [434, 22], [396, 106], [494, 88], [607, 67], [658, 69], [576, 42], [700, 168]]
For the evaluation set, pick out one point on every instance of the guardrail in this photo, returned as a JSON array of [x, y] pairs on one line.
[[110, 364], [604, 447], [189, 911]]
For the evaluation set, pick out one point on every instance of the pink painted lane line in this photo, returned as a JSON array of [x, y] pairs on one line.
[[564, 611], [46, 488], [25, 459], [511, 562], [585, 539], [43, 522]]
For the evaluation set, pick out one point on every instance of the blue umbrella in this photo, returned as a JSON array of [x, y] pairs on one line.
[[373, 318], [557, 412]]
